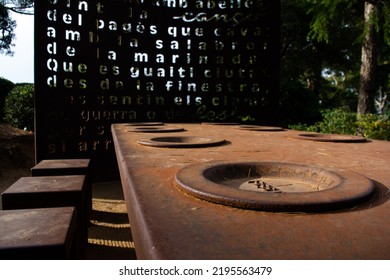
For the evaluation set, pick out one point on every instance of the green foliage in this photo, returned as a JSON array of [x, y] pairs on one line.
[[321, 72], [385, 17], [336, 121], [374, 126], [341, 25], [330, 17], [303, 127], [7, 26], [339, 121], [19, 107], [5, 87]]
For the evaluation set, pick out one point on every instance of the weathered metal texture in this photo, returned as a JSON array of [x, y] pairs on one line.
[[313, 189], [54, 167], [40, 234], [156, 129], [260, 128], [167, 223], [51, 191], [63, 167], [180, 141], [330, 137]]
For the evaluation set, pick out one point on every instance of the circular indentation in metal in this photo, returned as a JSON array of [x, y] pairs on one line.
[[274, 187], [145, 124], [220, 123], [330, 137], [260, 128], [155, 129], [181, 142]]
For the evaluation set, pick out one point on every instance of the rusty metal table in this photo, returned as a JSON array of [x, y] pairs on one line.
[[168, 223]]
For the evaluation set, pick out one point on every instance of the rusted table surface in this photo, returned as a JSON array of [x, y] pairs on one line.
[[167, 223]]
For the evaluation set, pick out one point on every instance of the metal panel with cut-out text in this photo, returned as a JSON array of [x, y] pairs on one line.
[[115, 61]]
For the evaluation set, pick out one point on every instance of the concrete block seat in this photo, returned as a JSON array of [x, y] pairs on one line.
[[51, 191], [38, 234], [61, 167]]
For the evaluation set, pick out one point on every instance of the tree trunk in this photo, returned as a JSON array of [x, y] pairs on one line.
[[368, 68]]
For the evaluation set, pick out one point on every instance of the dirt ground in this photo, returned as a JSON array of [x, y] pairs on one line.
[[16, 154], [109, 236]]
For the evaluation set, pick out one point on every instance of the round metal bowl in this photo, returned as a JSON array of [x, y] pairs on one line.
[[260, 128], [155, 129], [221, 123], [181, 142], [330, 138], [145, 124], [274, 187]]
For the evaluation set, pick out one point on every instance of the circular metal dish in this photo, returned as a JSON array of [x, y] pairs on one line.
[[145, 124], [260, 128], [220, 123], [155, 129], [330, 138], [181, 142], [282, 187]]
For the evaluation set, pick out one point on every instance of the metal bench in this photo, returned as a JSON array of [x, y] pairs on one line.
[[51, 191], [62, 167], [38, 234]]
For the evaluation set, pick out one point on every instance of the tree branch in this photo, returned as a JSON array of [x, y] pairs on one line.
[[15, 10], [23, 10]]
